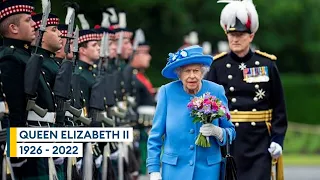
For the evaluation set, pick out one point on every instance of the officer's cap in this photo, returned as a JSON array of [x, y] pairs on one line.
[[11, 7], [239, 16]]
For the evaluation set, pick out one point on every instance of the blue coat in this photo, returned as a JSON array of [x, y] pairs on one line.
[[174, 130]]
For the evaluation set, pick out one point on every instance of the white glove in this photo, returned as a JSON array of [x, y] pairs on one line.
[[59, 161], [98, 161], [78, 165], [275, 150], [155, 176], [212, 130]]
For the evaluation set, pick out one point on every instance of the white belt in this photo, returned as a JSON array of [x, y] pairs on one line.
[[146, 110], [68, 114], [50, 117], [2, 107]]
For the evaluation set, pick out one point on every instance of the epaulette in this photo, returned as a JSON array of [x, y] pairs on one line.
[[220, 55], [270, 56]]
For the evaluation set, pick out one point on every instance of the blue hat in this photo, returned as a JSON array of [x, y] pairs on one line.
[[8, 8], [190, 55]]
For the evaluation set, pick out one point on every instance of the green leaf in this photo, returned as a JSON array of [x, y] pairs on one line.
[[196, 119]]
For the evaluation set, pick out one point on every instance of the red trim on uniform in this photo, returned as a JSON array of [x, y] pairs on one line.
[[145, 81]]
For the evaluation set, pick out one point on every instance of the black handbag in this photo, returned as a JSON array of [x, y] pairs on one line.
[[228, 169]]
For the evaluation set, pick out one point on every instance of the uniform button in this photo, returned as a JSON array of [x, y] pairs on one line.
[[237, 124], [253, 123], [43, 73], [191, 147], [56, 105], [236, 110], [52, 93], [190, 163], [229, 76], [94, 75], [231, 88], [233, 100], [191, 131], [12, 47], [255, 99], [254, 110], [48, 84], [228, 65], [257, 63], [256, 86]]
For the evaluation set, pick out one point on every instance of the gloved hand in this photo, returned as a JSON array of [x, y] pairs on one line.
[[275, 150], [212, 130], [58, 161], [78, 165], [155, 176], [98, 161]]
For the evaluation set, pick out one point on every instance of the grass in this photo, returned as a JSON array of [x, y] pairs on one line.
[[301, 160]]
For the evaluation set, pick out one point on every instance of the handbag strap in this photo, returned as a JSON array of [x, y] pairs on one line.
[[227, 140], [227, 143]]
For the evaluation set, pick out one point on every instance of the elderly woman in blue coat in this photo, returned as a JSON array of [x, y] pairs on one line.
[[180, 158]]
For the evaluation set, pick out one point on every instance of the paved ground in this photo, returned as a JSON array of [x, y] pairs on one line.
[[292, 173]]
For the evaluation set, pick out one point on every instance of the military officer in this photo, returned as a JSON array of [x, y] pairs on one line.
[[253, 87]]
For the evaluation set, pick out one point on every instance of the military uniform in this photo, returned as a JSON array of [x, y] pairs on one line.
[[256, 101], [14, 57]]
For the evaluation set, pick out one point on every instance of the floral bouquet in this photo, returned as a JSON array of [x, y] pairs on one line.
[[205, 109]]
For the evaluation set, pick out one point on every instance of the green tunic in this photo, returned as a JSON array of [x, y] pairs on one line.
[[14, 55]]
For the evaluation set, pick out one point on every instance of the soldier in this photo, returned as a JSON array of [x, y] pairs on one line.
[[254, 90], [60, 54], [139, 86], [51, 43], [84, 75], [16, 28]]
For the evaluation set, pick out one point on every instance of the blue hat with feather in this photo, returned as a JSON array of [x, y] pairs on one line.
[[187, 56]]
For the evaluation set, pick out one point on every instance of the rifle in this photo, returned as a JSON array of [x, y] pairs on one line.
[[33, 69], [62, 84], [97, 93]]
